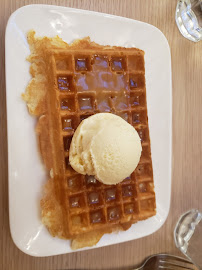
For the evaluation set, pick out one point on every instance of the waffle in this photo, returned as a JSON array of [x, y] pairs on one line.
[[70, 83]]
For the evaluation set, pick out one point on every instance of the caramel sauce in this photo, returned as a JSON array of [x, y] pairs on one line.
[[104, 77]]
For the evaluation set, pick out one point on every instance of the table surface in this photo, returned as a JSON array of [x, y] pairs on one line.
[[187, 146]]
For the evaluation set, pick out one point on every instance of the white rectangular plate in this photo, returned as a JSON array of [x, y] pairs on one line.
[[26, 172]]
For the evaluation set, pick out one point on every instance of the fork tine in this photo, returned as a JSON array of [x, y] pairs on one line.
[[166, 267], [176, 258], [169, 265]]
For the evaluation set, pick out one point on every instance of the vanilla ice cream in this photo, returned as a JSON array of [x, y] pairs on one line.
[[106, 146]]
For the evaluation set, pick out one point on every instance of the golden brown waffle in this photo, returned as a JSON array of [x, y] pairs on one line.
[[70, 83]]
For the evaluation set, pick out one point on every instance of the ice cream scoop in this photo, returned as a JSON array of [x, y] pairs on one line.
[[106, 146]]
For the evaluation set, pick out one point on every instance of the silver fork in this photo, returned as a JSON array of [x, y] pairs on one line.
[[166, 261]]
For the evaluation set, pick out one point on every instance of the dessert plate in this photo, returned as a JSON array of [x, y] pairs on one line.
[[26, 172]]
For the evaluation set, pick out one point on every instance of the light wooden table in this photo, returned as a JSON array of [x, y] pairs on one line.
[[187, 141]]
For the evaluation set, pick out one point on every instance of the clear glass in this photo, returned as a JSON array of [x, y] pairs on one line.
[[188, 236], [188, 17]]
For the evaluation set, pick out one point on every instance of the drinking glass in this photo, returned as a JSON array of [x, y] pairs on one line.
[[188, 236], [188, 17]]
